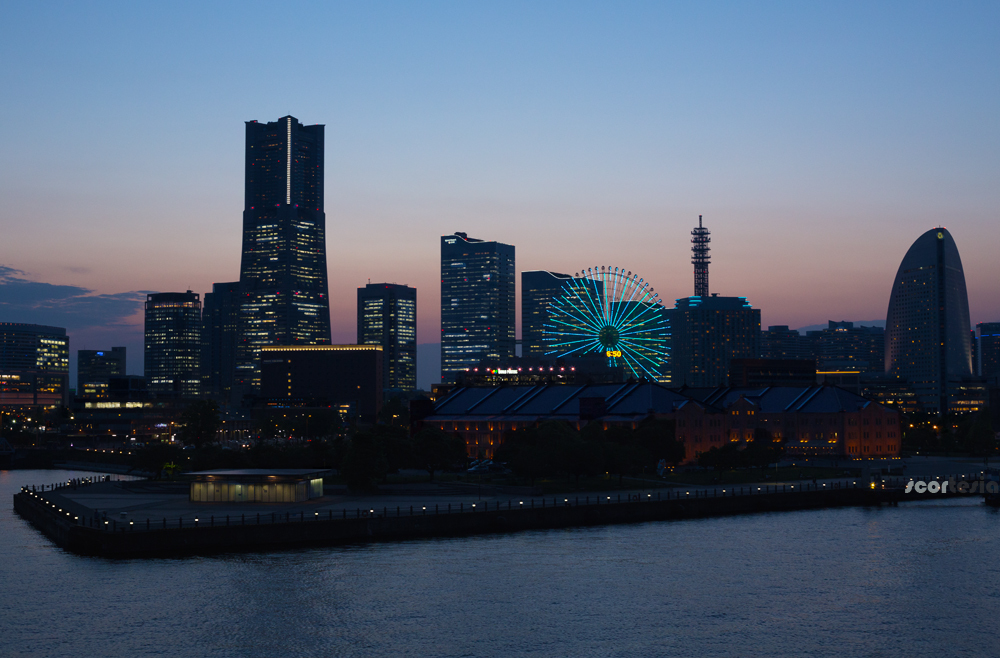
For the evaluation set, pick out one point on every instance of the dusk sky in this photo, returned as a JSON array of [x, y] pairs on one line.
[[819, 140]]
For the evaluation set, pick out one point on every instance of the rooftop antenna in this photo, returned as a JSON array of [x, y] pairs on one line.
[[700, 258]]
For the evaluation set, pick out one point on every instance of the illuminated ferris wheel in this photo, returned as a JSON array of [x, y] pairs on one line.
[[609, 311]]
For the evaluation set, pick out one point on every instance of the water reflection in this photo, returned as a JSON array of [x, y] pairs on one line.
[[916, 579]]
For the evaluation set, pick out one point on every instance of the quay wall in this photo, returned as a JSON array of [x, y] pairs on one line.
[[120, 540]]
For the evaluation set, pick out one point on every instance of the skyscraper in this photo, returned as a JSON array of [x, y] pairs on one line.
[[387, 316], [172, 346], [95, 367], [927, 340], [538, 288], [708, 332], [34, 365], [283, 275], [220, 335], [477, 303]]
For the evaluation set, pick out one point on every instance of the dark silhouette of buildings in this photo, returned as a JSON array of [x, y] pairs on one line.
[[220, 321], [387, 316], [706, 334], [988, 350], [538, 289], [760, 373], [927, 325], [814, 420], [323, 376], [283, 274], [477, 303], [34, 365], [844, 347], [780, 342], [94, 368], [172, 345]]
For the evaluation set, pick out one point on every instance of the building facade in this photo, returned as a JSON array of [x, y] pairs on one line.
[[708, 332], [809, 420], [283, 275], [34, 365], [387, 316], [927, 340], [988, 350], [477, 303], [95, 367], [538, 289], [323, 376], [172, 344], [220, 324]]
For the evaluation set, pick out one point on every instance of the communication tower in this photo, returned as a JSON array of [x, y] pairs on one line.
[[700, 258]]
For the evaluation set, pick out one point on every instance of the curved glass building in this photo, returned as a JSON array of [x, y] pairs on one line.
[[927, 339]]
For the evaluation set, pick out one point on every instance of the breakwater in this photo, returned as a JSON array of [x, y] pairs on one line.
[[75, 529]]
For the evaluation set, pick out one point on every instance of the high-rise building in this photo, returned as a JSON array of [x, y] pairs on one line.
[[220, 336], [387, 316], [706, 334], [283, 271], [927, 325], [94, 368], [842, 346], [988, 350], [34, 365], [780, 342], [538, 289], [172, 347], [477, 303]]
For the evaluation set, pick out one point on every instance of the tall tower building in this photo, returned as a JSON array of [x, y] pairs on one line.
[[538, 289], [927, 339], [387, 316], [700, 258], [477, 303], [219, 338], [172, 346], [283, 275], [707, 333]]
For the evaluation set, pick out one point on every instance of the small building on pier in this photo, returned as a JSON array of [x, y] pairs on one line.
[[257, 485]]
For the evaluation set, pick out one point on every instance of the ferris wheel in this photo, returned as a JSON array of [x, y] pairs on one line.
[[609, 311]]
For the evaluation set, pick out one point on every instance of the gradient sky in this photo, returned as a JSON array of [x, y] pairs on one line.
[[819, 140]]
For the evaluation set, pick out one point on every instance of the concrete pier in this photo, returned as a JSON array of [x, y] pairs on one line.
[[214, 528]]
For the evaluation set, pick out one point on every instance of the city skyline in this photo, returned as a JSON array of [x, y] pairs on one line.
[[814, 164]]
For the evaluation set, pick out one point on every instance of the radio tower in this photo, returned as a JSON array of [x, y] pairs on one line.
[[700, 259]]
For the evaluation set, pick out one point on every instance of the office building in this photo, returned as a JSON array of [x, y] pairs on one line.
[[283, 275], [477, 303], [323, 376], [94, 368], [988, 350], [842, 346], [220, 336], [172, 346], [780, 342], [387, 316], [707, 333], [538, 289], [34, 365], [927, 341]]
